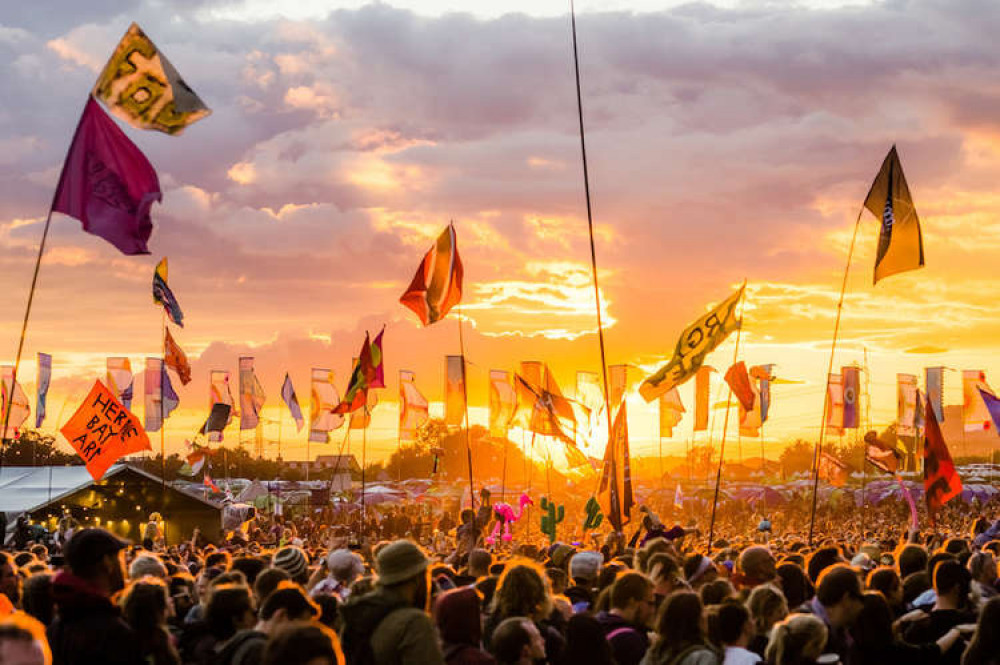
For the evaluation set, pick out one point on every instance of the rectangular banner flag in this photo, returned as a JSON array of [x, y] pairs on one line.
[[119, 379], [251, 395], [671, 412], [140, 86], [906, 405], [702, 390], [615, 490], [851, 378], [832, 470], [992, 406], [617, 384], [750, 419], [163, 296], [934, 385], [218, 417], [454, 391], [590, 394], [975, 416], [175, 358], [437, 285], [18, 405], [739, 381], [765, 375], [503, 403], [160, 398], [292, 402], [102, 431], [900, 245], [44, 377], [107, 183], [413, 406], [322, 419], [219, 393], [835, 404], [941, 481], [694, 344]]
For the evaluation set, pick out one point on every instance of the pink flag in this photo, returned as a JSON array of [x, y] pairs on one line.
[[107, 183]]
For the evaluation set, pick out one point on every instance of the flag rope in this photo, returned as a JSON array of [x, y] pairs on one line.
[[465, 404], [163, 418], [818, 449]]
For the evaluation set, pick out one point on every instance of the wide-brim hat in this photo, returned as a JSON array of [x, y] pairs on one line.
[[400, 561]]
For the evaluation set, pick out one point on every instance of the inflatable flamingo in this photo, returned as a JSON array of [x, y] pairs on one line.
[[505, 514]]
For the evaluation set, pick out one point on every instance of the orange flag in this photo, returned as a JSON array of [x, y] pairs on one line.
[[175, 358], [102, 431]]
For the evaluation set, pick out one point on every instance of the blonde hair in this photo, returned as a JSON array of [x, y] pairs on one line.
[[797, 637], [764, 602]]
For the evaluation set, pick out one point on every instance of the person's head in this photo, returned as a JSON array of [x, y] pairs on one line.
[[479, 563], [23, 642], [716, 592], [468, 516], [632, 598], [293, 561], [40, 552], [584, 567], [344, 566], [911, 559], [95, 555], [522, 591], [585, 641], [267, 581], [886, 581], [230, 609], [951, 583], [145, 605], [147, 564], [182, 592], [957, 547], [915, 584], [666, 574], [403, 567], [680, 622], [457, 615], [517, 641], [732, 625], [983, 567], [287, 603], [219, 559], [873, 630], [822, 559], [756, 565], [250, 567], [699, 569], [985, 642], [798, 638], [767, 607], [301, 643], [839, 591], [37, 598]]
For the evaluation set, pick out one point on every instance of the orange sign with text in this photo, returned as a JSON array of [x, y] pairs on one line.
[[102, 431]]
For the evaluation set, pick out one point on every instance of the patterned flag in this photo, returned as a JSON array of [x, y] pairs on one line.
[[17, 405], [322, 418], [503, 403], [671, 412], [119, 379], [941, 481], [437, 286], [292, 402], [44, 376], [162, 295], [835, 404], [906, 405], [934, 383], [693, 346], [992, 406], [413, 407], [975, 416], [362, 376], [702, 389], [454, 391], [107, 183], [615, 489], [140, 86], [900, 245], [251, 395], [210, 484], [219, 393], [175, 358], [739, 381], [160, 398], [851, 377]]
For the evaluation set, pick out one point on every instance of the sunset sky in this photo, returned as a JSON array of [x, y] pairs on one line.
[[727, 141]]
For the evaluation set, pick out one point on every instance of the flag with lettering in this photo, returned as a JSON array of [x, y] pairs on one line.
[[941, 481], [44, 377], [119, 379], [175, 358], [437, 286], [900, 244], [292, 402], [102, 431], [107, 183]]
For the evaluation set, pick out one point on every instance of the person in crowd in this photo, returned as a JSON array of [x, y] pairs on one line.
[[10, 580], [300, 643], [146, 607], [984, 649], [680, 627], [951, 609], [457, 616], [797, 640], [626, 624], [885, 580], [756, 566], [230, 609], [342, 567], [585, 643], [794, 583], [733, 629], [837, 604], [767, 607], [983, 569], [147, 564], [37, 599], [22, 641], [292, 560], [522, 591], [516, 641], [875, 641], [584, 569], [287, 603]]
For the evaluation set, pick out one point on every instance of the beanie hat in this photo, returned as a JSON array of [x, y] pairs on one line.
[[293, 561], [585, 565], [400, 561]]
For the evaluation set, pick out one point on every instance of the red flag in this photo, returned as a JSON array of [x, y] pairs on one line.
[[211, 485], [739, 381], [437, 286], [175, 358], [107, 183], [378, 367], [941, 481], [361, 379]]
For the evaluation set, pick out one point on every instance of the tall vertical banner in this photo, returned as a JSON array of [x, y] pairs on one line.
[[835, 404], [671, 412], [119, 379], [590, 394], [765, 375], [292, 402], [617, 384], [615, 489], [851, 377], [15, 400], [219, 393], [251, 395], [159, 396], [413, 406], [934, 385], [454, 391], [941, 480], [906, 405], [322, 419], [702, 393], [44, 377], [503, 403], [975, 415]]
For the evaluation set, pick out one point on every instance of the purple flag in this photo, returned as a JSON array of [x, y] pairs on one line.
[[107, 183]]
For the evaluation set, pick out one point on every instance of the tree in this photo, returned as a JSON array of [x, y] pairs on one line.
[[32, 448], [796, 457]]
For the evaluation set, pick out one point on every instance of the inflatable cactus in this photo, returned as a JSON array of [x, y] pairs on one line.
[[552, 515], [594, 515]]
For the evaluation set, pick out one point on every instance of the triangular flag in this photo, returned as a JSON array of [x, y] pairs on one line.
[[437, 286], [162, 295], [900, 245]]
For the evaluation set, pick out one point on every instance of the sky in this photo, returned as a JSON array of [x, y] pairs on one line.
[[726, 141]]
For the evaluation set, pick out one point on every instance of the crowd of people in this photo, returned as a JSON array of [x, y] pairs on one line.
[[288, 592]]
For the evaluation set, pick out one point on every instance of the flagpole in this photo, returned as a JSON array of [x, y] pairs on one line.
[[465, 400], [279, 431], [725, 425], [829, 370], [364, 458], [163, 420]]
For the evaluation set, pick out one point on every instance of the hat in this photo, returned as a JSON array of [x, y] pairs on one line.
[[400, 561], [88, 546], [559, 553], [585, 565], [292, 560], [344, 564], [863, 561]]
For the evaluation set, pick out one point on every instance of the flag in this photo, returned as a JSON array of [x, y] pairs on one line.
[[750, 418], [590, 394], [542, 408], [992, 406], [503, 403], [210, 484], [119, 377], [102, 431], [835, 404], [18, 407], [292, 402], [175, 358], [437, 286], [323, 419], [832, 470], [678, 498], [362, 418], [934, 384], [44, 376], [362, 375], [739, 382], [906, 405], [196, 459], [883, 459], [107, 183], [615, 489], [617, 384], [671, 410], [140, 86], [160, 398], [765, 375], [900, 246], [162, 295], [413, 406], [694, 344], [454, 391], [219, 393], [975, 416], [251, 395], [941, 481], [851, 379], [218, 417], [378, 376], [702, 389]]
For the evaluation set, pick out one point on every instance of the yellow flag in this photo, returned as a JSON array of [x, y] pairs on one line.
[[900, 244], [140, 86]]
